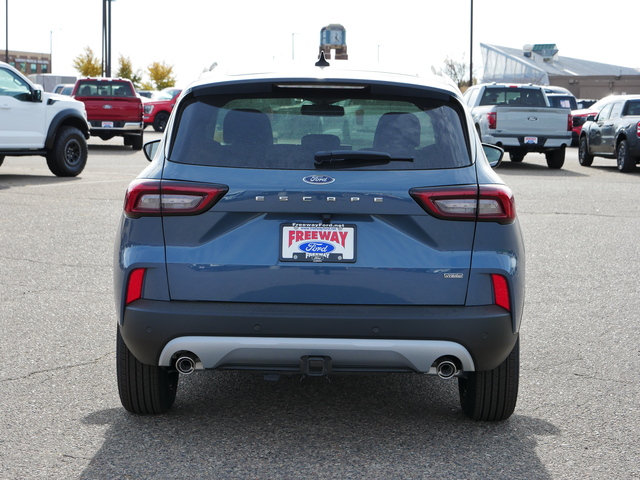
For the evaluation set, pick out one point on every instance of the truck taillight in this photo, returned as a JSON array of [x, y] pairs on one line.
[[570, 123], [638, 129], [158, 198], [486, 203], [492, 120]]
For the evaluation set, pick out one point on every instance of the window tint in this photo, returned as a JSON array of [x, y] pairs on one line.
[[104, 89], [529, 97], [13, 86], [286, 133], [632, 108], [604, 113]]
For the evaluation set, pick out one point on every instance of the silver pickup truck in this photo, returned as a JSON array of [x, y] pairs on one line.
[[518, 118]]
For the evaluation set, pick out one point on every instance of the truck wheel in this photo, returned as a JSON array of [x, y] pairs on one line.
[[584, 157], [516, 156], [555, 158], [160, 122], [626, 163], [144, 389], [137, 141], [491, 395], [68, 156]]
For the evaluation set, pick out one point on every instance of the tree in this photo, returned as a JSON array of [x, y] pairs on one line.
[[125, 70], [458, 71], [161, 75], [87, 64]]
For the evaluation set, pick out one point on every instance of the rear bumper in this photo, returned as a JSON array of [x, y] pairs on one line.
[[375, 338]]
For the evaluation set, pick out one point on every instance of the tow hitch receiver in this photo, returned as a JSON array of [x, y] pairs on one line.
[[315, 366]]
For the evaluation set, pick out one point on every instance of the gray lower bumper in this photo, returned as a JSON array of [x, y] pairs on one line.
[[347, 355]]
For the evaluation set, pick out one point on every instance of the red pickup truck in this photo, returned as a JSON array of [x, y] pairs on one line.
[[113, 109]]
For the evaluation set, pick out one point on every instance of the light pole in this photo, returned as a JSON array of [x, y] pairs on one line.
[[292, 45], [471, 48], [6, 53]]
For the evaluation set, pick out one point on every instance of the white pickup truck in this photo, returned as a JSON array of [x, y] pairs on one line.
[[33, 122], [518, 119]]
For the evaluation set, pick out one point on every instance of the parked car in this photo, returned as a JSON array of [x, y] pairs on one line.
[[560, 97], [113, 108], [158, 109], [578, 117], [146, 93], [613, 133], [274, 232], [37, 123], [585, 103], [64, 88]]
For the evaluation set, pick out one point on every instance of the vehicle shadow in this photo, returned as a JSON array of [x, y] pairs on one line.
[[15, 180], [517, 168], [229, 425]]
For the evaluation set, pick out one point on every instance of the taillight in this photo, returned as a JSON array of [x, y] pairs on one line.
[[638, 129], [570, 123], [134, 285], [501, 291], [492, 120], [156, 197], [488, 203]]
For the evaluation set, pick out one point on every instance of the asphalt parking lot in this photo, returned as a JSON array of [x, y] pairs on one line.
[[60, 416]]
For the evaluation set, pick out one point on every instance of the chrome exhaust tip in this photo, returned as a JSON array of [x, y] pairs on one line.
[[446, 369], [185, 365]]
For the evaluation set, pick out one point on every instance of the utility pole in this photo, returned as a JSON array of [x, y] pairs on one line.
[[106, 37]]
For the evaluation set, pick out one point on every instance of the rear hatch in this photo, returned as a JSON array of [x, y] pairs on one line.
[[318, 208]]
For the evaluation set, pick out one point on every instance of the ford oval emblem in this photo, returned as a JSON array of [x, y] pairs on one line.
[[107, 107], [318, 179], [316, 247]]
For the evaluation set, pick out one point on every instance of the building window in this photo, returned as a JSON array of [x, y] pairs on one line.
[[23, 67], [45, 68], [33, 68]]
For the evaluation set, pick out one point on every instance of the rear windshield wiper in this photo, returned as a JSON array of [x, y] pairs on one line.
[[355, 158]]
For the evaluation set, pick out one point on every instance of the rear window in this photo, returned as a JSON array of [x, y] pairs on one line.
[[283, 132], [515, 96], [632, 108], [100, 88]]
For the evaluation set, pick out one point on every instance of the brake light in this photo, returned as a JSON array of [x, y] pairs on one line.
[[492, 120], [501, 291], [570, 123], [638, 129], [487, 203], [134, 285], [157, 198]]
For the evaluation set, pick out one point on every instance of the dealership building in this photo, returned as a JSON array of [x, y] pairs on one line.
[[540, 64]]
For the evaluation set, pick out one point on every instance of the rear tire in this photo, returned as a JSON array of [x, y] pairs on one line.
[[626, 163], [555, 158], [68, 156], [516, 156], [144, 389], [491, 395], [584, 157], [137, 141]]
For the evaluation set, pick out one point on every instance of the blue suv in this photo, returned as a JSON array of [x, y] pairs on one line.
[[320, 221]]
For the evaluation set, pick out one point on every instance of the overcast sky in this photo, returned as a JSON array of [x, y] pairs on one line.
[[192, 34]]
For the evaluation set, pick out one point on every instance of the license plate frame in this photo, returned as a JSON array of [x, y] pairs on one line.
[[317, 242], [530, 140]]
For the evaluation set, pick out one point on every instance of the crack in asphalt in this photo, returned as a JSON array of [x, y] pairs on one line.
[[56, 369]]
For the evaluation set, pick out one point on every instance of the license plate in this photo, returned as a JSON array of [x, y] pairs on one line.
[[317, 242], [530, 140], [107, 124]]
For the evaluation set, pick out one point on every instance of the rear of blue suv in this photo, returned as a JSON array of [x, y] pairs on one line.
[[320, 222]]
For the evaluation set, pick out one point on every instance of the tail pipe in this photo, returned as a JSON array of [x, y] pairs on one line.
[[446, 367], [186, 364]]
